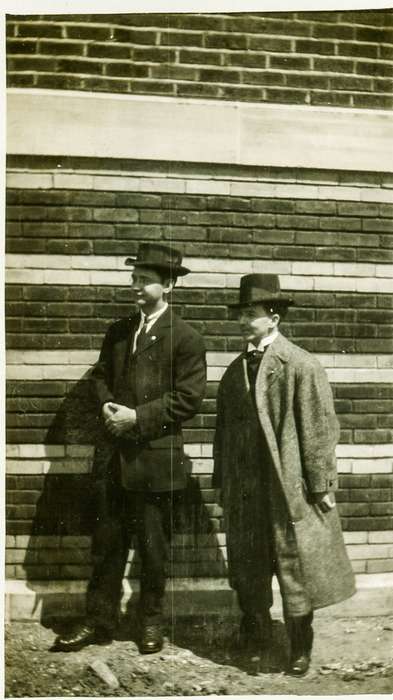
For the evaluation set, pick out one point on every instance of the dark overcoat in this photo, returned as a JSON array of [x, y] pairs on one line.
[[300, 430], [164, 381]]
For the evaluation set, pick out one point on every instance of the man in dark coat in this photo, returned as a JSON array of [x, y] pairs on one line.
[[149, 379], [275, 472]]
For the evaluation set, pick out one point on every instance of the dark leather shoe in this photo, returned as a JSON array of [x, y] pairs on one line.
[[299, 666], [151, 639], [301, 638], [81, 637]]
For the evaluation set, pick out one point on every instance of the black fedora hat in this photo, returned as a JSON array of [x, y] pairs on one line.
[[157, 255], [261, 289]]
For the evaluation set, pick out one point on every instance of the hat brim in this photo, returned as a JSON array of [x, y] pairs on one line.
[[179, 271], [278, 299]]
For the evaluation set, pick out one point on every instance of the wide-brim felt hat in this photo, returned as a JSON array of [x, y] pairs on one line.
[[261, 289], [157, 255]]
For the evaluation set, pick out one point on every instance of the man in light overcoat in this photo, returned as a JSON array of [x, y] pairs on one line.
[[149, 379], [275, 473]]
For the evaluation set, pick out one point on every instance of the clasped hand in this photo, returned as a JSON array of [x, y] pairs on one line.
[[118, 419]]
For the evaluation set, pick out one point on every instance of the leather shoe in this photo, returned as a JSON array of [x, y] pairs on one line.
[[300, 665], [151, 639], [81, 637]]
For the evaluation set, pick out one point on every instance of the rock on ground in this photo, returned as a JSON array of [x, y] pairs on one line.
[[351, 656]]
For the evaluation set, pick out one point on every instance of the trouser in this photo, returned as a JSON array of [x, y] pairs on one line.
[[150, 516]]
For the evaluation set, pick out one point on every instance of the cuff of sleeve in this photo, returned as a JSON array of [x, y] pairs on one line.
[[324, 485]]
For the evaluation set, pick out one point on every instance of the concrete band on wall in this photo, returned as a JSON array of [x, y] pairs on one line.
[[159, 128]]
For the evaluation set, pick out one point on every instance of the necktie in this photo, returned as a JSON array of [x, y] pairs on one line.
[[142, 334]]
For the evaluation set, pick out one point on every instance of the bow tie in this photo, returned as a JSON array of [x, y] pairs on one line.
[[254, 354]]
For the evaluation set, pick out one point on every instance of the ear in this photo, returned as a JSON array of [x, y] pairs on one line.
[[168, 286], [274, 321]]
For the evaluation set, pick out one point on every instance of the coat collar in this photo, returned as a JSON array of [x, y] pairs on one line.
[[276, 356], [156, 332]]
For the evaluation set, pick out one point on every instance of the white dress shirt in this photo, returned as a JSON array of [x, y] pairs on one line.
[[264, 342], [150, 321]]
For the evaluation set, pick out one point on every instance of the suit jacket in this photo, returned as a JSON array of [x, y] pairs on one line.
[[295, 411], [164, 381]]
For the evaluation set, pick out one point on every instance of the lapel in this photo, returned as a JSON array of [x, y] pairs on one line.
[[272, 365], [156, 332]]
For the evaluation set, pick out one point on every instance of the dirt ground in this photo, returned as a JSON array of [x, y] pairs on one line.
[[200, 657]]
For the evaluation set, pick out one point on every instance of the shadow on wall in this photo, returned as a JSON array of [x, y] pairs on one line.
[[59, 547]]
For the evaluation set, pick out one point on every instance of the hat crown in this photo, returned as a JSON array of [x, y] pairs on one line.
[[158, 255], [265, 283], [260, 288]]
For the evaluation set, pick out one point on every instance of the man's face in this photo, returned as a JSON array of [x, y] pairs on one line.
[[256, 323], [149, 287]]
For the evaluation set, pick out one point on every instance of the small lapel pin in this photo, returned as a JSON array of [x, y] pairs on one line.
[[153, 337]]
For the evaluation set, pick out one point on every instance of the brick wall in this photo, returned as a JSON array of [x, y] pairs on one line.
[[314, 58], [334, 254], [71, 220]]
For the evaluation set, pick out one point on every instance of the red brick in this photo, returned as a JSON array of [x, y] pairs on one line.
[[269, 44], [358, 50], [174, 72], [246, 60], [226, 41], [333, 31], [378, 17], [373, 436], [358, 509], [17, 46], [378, 69], [354, 481], [382, 508], [59, 82], [382, 480], [290, 62], [331, 98], [169, 38], [75, 65], [286, 96], [314, 47], [61, 48], [334, 65], [320, 82], [152, 87], [372, 34], [108, 51], [84, 31], [347, 82], [200, 57], [263, 78], [198, 90], [37, 29], [386, 52], [156, 54], [219, 76], [377, 101]]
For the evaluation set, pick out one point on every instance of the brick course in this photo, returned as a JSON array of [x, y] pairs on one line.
[[333, 58]]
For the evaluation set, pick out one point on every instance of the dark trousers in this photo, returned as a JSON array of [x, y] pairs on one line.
[[150, 517]]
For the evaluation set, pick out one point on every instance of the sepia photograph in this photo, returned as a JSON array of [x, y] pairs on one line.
[[199, 349]]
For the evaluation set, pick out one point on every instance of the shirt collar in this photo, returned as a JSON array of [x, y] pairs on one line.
[[155, 316], [264, 342]]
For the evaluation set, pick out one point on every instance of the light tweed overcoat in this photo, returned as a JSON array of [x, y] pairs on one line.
[[296, 412]]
